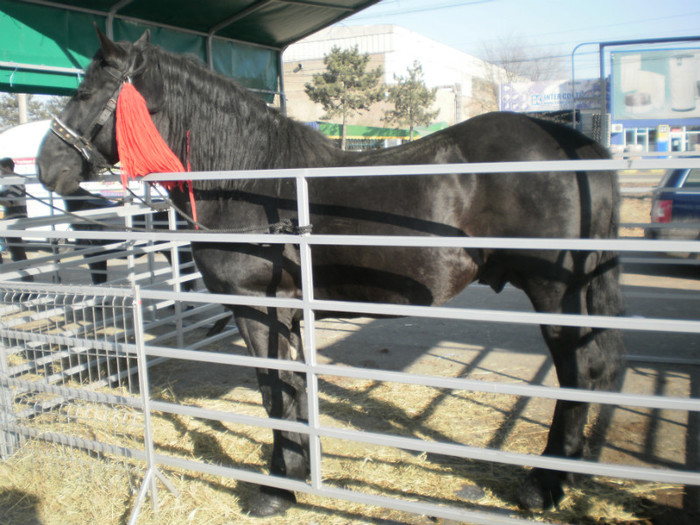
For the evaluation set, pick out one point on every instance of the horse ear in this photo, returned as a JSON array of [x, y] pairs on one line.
[[147, 81], [144, 39], [109, 48]]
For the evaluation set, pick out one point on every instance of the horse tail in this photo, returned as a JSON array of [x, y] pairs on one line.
[[604, 297], [606, 362]]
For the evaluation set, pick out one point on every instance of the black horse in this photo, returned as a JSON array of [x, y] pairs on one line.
[[81, 200], [232, 129]]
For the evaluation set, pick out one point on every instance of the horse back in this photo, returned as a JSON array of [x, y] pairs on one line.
[[540, 204], [560, 204]]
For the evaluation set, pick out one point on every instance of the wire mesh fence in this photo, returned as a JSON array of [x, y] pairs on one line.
[[66, 358], [73, 377]]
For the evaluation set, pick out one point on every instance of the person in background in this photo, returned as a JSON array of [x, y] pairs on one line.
[[13, 198]]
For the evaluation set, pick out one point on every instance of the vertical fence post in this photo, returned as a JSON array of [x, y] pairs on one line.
[[309, 339], [55, 276], [130, 259], [152, 472], [148, 224], [177, 286], [149, 482], [9, 441]]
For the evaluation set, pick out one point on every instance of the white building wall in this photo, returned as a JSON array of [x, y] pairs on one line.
[[445, 68], [442, 65]]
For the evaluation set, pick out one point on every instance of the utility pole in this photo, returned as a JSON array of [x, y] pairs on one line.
[[22, 107]]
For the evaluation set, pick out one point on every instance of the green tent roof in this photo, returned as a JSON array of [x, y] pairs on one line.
[[44, 45]]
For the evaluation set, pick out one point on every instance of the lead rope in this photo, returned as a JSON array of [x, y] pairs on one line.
[[190, 185]]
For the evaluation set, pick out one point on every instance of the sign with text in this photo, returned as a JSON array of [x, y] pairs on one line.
[[556, 95]]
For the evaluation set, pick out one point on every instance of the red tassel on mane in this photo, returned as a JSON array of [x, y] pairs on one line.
[[141, 147]]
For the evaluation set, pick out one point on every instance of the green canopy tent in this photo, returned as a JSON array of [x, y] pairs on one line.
[[45, 45]]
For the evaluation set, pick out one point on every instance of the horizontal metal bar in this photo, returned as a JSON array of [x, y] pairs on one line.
[[76, 442], [223, 299], [427, 509], [113, 216], [452, 383], [432, 169], [46, 69], [447, 449], [71, 340], [629, 323], [229, 417], [514, 458], [461, 515], [226, 359], [525, 390], [91, 396], [649, 41], [443, 312], [510, 316], [72, 290], [678, 361], [513, 243]]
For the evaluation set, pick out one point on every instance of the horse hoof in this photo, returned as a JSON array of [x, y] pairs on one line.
[[541, 490], [270, 501]]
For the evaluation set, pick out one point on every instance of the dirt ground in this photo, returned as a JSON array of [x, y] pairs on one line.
[[634, 209]]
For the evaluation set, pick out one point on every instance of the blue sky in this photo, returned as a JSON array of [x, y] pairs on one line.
[[548, 27]]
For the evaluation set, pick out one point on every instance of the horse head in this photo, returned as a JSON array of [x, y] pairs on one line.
[[82, 140]]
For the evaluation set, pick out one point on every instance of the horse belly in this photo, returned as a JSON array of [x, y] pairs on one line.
[[397, 275], [390, 206]]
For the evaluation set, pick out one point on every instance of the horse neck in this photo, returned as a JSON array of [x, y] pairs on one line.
[[228, 128]]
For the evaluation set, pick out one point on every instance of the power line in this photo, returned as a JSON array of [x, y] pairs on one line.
[[422, 9], [595, 27], [450, 5]]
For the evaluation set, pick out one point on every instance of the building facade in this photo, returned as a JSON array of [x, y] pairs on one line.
[[466, 85]]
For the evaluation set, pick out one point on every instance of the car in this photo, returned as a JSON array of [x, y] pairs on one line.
[[675, 207]]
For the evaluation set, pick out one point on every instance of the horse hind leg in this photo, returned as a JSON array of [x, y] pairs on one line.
[[583, 358], [98, 272]]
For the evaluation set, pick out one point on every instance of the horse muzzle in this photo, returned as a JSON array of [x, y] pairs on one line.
[[61, 178]]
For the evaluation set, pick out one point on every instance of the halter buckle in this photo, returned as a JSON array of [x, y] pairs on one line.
[[72, 138]]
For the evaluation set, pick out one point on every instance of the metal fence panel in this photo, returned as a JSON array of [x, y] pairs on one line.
[[62, 340]]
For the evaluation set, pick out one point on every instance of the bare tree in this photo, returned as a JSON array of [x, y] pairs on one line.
[[510, 59], [38, 108]]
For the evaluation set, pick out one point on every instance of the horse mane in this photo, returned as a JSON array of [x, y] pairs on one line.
[[229, 127]]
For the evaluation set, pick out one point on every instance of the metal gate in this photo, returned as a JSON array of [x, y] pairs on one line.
[[314, 369]]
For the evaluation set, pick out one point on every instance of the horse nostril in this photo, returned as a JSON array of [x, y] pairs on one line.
[[51, 176]]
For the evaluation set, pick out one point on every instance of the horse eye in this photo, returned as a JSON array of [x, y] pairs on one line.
[[83, 94]]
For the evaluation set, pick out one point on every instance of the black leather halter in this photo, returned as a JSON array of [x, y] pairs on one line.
[[83, 143]]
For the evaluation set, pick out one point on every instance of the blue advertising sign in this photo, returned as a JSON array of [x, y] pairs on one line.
[[659, 85], [556, 95]]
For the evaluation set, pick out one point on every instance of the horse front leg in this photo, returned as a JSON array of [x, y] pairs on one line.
[[275, 333]]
